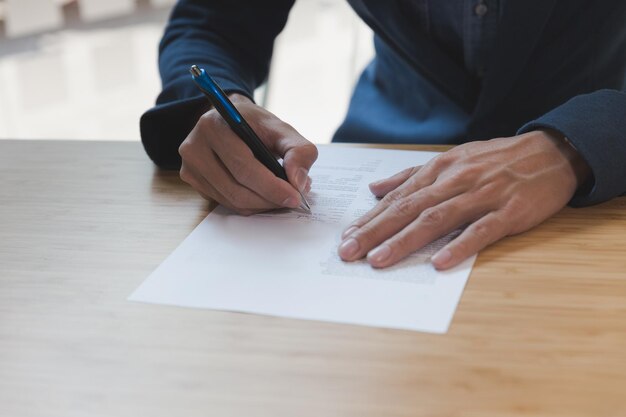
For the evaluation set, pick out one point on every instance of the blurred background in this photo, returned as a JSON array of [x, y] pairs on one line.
[[87, 69]]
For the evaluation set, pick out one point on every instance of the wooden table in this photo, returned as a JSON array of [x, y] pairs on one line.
[[540, 330]]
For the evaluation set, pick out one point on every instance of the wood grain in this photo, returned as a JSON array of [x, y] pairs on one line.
[[540, 330]]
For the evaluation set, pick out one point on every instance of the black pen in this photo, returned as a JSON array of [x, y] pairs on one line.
[[238, 124]]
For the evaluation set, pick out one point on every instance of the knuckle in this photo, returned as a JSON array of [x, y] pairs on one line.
[[482, 231], [184, 149], [509, 175], [365, 236], [489, 190], [513, 212], [511, 222], [455, 178], [461, 247], [401, 244], [209, 125], [470, 172], [441, 161], [466, 149], [403, 207], [412, 171], [432, 217], [185, 174], [519, 204], [209, 119], [391, 197]]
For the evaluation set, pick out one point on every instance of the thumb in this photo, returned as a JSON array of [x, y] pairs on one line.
[[298, 156]]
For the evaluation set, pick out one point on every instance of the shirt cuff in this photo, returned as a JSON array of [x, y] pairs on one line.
[[595, 126]]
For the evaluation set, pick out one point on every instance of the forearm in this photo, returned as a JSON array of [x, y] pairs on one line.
[[232, 40]]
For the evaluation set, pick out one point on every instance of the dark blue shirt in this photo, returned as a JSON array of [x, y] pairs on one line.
[[465, 30]]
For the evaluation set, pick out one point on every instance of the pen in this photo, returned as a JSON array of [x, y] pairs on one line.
[[238, 124]]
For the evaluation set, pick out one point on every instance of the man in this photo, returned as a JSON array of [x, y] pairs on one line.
[[532, 90]]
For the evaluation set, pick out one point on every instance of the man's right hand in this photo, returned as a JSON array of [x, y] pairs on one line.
[[219, 165]]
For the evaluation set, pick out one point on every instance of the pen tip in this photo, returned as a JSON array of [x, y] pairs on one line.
[[305, 204]]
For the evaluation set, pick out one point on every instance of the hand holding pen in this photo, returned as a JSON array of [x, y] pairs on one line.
[[221, 165]]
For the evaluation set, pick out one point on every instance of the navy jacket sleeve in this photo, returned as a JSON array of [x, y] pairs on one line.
[[232, 39], [595, 124]]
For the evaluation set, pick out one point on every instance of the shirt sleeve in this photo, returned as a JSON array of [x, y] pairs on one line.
[[595, 124], [232, 39]]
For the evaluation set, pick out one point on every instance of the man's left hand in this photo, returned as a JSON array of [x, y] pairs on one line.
[[495, 188]]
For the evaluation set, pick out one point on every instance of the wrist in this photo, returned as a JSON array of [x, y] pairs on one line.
[[579, 166]]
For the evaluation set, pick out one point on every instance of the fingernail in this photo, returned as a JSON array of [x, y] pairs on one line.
[[301, 178], [291, 202], [348, 232], [372, 185], [379, 255], [348, 249], [375, 188], [442, 257]]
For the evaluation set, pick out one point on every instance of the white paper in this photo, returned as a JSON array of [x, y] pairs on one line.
[[286, 263]]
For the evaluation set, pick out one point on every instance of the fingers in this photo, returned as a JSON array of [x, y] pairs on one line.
[[474, 238], [382, 187], [397, 197], [203, 188], [216, 182], [419, 209], [430, 225], [247, 171]]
